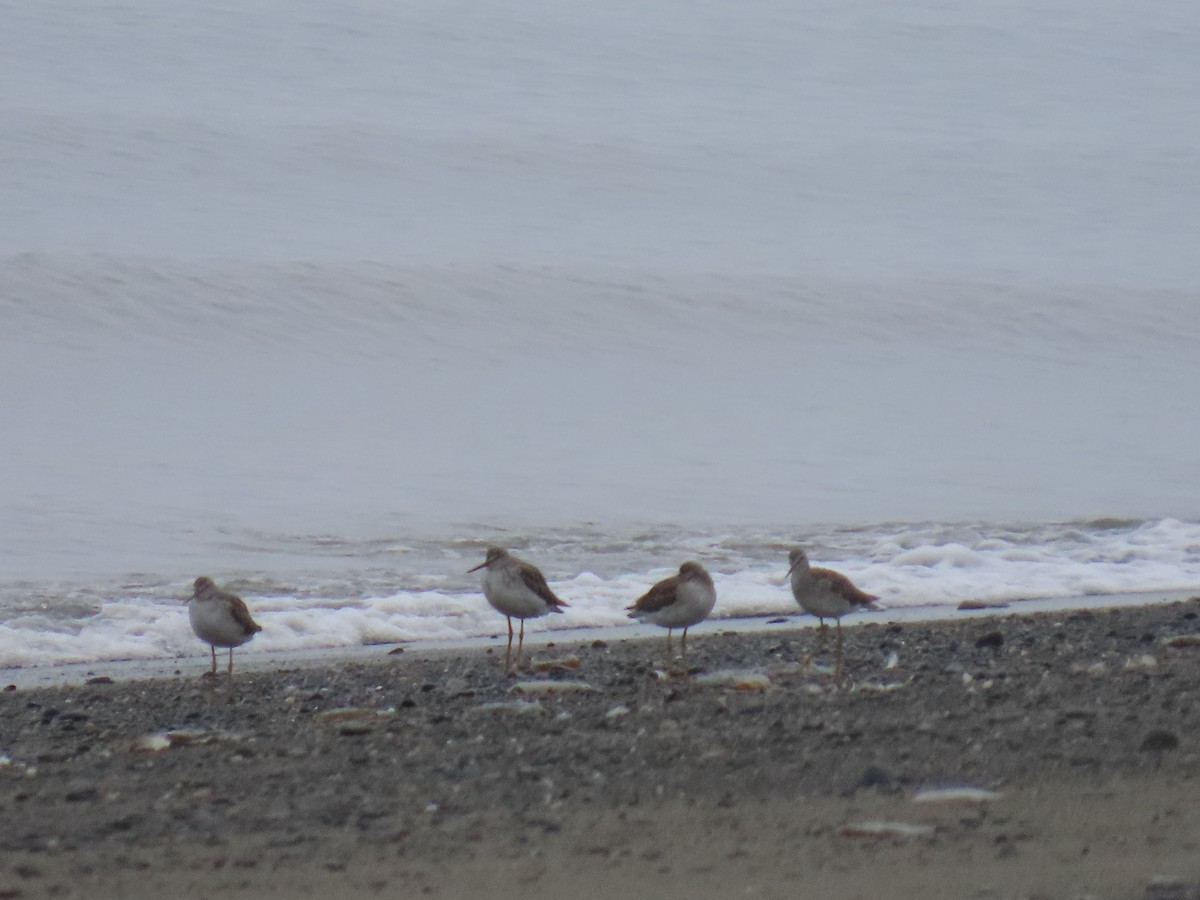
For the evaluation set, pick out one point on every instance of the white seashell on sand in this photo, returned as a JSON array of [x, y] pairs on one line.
[[738, 680], [885, 830], [551, 687], [959, 794]]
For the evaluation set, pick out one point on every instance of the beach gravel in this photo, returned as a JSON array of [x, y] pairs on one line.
[[428, 773]]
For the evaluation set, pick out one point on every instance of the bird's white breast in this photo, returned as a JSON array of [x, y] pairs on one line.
[[508, 593], [694, 600], [214, 623], [817, 596]]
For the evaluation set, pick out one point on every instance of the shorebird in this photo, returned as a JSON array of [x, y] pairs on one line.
[[680, 601], [825, 594], [517, 589], [220, 619]]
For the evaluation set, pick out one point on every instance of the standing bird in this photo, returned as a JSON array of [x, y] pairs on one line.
[[825, 594], [220, 619], [516, 588], [680, 601]]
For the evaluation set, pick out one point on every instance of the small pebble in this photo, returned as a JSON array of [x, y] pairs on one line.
[[1180, 641], [968, 605], [1145, 661], [1169, 888], [875, 777], [1159, 740]]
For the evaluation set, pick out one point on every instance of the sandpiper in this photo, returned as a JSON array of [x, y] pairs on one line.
[[517, 589], [825, 594], [220, 619], [680, 601]]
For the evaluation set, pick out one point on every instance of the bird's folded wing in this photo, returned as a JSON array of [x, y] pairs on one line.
[[536, 582], [242, 615], [840, 584], [658, 597]]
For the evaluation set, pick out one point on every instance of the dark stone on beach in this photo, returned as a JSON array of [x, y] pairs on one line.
[[1171, 889], [549, 826], [119, 824], [1159, 741], [875, 777], [599, 644], [99, 679], [396, 651], [8, 688], [81, 793], [969, 605], [992, 639], [778, 621]]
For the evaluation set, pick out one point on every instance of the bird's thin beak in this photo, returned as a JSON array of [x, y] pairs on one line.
[[478, 567], [791, 569]]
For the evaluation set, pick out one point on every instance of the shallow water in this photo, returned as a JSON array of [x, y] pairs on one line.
[[323, 315]]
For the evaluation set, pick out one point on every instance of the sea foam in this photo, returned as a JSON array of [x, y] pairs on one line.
[[907, 568]]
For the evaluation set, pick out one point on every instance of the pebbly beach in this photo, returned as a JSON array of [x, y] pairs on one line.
[[1042, 755]]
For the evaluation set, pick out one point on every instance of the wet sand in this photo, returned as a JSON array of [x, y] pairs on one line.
[[447, 781]]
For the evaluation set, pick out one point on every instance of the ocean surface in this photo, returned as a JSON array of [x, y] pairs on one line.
[[321, 301]]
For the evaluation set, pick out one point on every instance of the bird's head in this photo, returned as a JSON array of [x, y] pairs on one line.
[[494, 554]]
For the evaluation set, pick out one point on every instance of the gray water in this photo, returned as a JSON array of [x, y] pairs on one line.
[[286, 288]]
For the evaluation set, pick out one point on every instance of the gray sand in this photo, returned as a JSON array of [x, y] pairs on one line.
[[447, 782]]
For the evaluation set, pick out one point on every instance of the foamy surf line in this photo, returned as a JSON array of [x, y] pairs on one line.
[[420, 592], [194, 665]]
